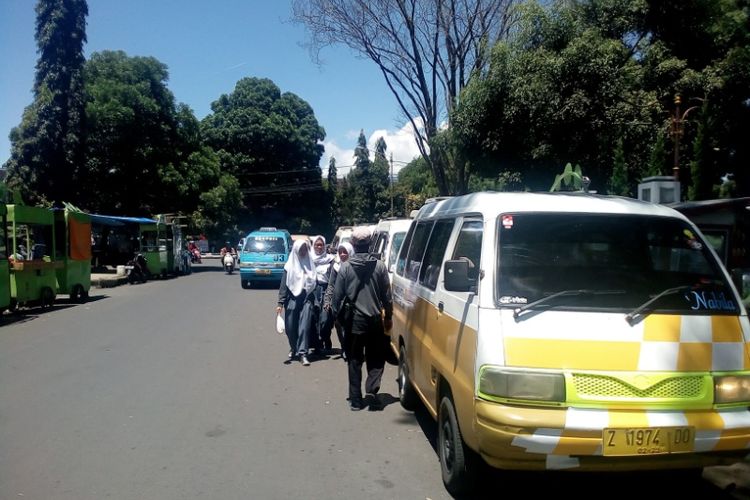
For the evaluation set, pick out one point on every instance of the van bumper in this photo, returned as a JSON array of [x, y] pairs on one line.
[[253, 274], [521, 438]]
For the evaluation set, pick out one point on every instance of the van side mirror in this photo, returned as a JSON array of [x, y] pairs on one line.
[[456, 274]]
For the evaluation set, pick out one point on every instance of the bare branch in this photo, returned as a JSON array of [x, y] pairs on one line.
[[427, 50]]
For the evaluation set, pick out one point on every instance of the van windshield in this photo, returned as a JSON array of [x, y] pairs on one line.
[[265, 244], [636, 256]]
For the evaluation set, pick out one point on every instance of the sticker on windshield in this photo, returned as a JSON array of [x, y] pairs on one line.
[[512, 299], [691, 240], [712, 301], [507, 221]]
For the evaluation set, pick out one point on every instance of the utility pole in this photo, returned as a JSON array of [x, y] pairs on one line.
[[390, 179], [676, 130]]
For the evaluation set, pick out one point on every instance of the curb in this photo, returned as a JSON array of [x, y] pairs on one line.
[[109, 282]]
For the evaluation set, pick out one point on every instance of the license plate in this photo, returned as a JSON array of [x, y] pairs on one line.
[[647, 441], [263, 271]]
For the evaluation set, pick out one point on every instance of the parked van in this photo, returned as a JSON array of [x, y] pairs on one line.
[[570, 331], [387, 238], [343, 234], [263, 257]]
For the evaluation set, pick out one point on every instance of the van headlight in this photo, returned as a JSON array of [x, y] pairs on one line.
[[536, 386], [731, 388]]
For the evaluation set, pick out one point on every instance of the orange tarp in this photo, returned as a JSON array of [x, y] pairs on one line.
[[80, 239]]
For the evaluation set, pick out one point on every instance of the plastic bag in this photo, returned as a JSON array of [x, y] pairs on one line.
[[280, 327]]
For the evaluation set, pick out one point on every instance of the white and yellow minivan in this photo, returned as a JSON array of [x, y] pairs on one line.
[[570, 331]]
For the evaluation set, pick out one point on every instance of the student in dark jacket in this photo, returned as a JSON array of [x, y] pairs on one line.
[[344, 250], [363, 282]]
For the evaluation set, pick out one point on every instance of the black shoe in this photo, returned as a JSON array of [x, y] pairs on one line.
[[355, 404]]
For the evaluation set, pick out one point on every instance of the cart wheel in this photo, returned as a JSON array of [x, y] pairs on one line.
[[78, 294], [84, 295], [48, 297], [13, 306]]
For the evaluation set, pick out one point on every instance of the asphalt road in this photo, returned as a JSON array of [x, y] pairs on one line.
[[177, 389]]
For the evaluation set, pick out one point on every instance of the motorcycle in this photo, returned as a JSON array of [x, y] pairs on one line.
[[195, 256], [229, 264], [137, 269]]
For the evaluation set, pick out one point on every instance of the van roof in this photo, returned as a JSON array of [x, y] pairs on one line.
[[269, 231], [492, 204], [388, 224]]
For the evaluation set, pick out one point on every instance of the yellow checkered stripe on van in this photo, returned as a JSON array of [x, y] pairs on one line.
[[659, 343], [581, 432]]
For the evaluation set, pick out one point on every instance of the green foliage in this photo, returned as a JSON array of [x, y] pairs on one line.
[[365, 197], [580, 76], [271, 142], [414, 185], [571, 179], [143, 152], [46, 148], [657, 164], [618, 183], [702, 169]]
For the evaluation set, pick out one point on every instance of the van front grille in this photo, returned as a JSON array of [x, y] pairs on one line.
[[608, 387]]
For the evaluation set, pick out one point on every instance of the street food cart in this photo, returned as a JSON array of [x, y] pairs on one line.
[[73, 248], [4, 265], [153, 237], [33, 264]]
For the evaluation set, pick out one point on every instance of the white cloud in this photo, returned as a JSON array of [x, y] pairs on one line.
[[400, 143]]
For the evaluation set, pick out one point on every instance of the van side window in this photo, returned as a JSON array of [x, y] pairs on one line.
[[433, 258], [416, 250], [398, 239], [469, 246], [401, 263]]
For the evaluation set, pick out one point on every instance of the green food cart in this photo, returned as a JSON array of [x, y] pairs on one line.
[[33, 277], [153, 236], [4, 265], [73, 250]]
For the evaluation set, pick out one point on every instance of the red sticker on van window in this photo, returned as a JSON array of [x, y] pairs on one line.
[[507, 221]]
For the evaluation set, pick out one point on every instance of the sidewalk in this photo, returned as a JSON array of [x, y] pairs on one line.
[[107, 277]]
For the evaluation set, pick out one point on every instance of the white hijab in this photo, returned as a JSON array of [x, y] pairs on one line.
[[321, 260], [300, 271], [349, 250]]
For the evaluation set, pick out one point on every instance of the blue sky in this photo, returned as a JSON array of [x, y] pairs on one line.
[[208, 47]]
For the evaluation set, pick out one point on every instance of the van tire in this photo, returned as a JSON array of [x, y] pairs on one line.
[[245, 284], [407, 395], [458, 464]]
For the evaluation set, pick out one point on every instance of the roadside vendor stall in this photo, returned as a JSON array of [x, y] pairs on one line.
[[73, 248], [4, 265], [33, 277], [153, 237]]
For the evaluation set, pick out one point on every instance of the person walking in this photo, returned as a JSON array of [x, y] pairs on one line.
[[363, 283], [343, 252], [295, 297], [322, 318]]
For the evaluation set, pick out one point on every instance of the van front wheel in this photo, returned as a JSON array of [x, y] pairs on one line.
[[406, 394], [457, 462]]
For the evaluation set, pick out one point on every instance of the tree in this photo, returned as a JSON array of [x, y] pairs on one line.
[[271, 142], [46, 148], [368, 183], [333, 189], [427, 51], [143, 152], [578, 76], [414, 185], [618, 183]]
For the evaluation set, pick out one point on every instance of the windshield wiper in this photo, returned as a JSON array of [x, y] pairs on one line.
[[632, 316], [562, 293]]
